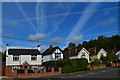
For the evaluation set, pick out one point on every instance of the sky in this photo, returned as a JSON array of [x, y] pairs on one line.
[[56, 23]]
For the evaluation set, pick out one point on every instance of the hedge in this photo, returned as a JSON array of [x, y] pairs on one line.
[[68, 65]]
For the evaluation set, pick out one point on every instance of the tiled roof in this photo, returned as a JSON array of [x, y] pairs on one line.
[[24, 52], [50, 50]]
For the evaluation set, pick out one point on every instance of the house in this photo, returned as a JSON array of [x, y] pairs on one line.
[[101, 53], [83, 53], [20, 59], [52, 53], [118, 54]]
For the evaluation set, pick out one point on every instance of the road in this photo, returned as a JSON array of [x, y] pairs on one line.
[[111, 72]]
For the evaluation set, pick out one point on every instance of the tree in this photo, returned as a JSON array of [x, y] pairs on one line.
[[111, 58], [71, 45], [96, 62], [104, 60]]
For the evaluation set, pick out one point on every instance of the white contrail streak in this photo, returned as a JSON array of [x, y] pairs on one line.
[[100, 33], [57, 25], [25, 15], [73, 13], [41, 20], [83, 19]]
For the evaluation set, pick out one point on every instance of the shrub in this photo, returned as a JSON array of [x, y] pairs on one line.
[[68, 65], [96, 62]]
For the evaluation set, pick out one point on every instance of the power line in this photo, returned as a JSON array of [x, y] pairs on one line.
[[55, 43]]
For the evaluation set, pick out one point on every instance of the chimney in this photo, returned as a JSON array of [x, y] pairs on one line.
[[89, 50], [75, 49], [95, 50], [7, 47], [38, 47], [7, 60], [51, 46], [113, 51], [69, 51]]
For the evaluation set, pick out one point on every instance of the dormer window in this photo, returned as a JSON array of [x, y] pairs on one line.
[[15, 57], [33, 57]]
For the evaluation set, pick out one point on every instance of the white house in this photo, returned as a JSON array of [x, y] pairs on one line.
[[17, 57], [101, 53], [52, 53], [118, 54], [81, 54]]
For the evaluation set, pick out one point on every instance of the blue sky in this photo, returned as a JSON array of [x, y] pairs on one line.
[[57, 22]]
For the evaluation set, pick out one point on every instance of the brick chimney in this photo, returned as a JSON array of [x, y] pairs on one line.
[[75, 49], [95, 50], [89, 50], [38, 47], [113, 51], [51, 46], [69, 51]]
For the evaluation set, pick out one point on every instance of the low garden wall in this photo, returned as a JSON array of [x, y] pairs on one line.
[[36, 74], [99, 66]]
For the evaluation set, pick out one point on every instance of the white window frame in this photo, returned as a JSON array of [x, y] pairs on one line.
[[15, 67], [32, 56], [16, 56], [83, 55]]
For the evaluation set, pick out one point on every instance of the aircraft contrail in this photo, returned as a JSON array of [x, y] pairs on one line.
[[25, 15]]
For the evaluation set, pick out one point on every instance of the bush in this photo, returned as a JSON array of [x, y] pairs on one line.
[[68, 65], [96, 62]]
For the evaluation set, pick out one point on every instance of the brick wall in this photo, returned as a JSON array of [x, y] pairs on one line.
[[14, 74], [99, 66], [8, 71], [115, 64], [36, 74]]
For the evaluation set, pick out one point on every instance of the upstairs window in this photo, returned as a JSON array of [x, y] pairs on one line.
[[57, 56], [102, 54], [33, 57], [15, 57], [83, 55]]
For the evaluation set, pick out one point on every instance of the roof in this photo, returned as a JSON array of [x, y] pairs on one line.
[[24, 52], [50, 50], [75, 54], [103, 51], [84, 50]]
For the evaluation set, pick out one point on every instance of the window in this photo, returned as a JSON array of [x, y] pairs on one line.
[[57, 56], [15, 57], [83, 55], [25, 67], [16, 67], [102, 54], [33, 57]]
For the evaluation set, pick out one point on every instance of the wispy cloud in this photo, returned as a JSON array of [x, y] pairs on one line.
[[12, 23], [109, 21], [77, 38], [37, 37], [83, 19], [56, 40]]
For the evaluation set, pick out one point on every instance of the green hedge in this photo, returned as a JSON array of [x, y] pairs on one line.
[[68, 65], [96, 62]]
